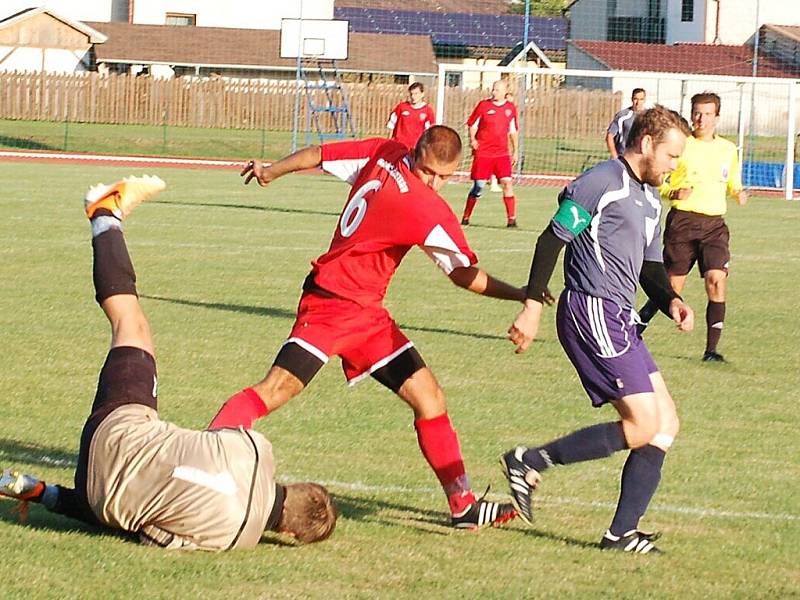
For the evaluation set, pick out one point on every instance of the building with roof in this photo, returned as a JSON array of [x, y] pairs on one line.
[[476, 38], [728, 22], [42, 40], [165, 50]]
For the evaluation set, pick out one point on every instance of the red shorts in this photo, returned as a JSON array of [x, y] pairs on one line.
[[364, 338], [483, 167]]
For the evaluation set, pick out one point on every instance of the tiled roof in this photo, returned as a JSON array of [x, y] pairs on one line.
[[254, 48], [789, 31], [704, 59]]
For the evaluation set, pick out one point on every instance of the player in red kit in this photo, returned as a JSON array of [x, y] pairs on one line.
[[491, 125], [409, 120], [393, 205]]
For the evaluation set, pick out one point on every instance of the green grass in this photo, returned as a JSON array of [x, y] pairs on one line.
[[549, 155], [220, 267]]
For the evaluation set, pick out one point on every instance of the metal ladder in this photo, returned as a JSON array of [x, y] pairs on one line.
[[328, 114]]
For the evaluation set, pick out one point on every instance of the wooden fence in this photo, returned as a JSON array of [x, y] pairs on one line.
[[269, 105]]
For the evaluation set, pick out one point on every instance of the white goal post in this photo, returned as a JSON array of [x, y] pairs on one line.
[[563, 114]]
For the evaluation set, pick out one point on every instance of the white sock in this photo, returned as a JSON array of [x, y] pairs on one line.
[[104, 223]]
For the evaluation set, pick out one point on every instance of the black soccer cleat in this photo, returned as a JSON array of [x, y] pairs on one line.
[[711, 356], [522, 480], [635, 541], [465, 221], [512, 224], [482, 513]]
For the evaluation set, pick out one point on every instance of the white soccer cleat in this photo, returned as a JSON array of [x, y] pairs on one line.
[[121, 197]]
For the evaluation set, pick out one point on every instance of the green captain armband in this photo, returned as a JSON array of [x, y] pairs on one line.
[[572, 216]]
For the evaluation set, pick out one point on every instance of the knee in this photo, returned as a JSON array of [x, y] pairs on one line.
[[715, 286], [477, 188], [641, 431], [508, 187]]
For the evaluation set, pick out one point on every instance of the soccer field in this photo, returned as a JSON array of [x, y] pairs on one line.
[[219, 270]]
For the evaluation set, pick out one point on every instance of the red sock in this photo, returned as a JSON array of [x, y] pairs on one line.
[[511, 207], [470, 206], [439, 444], [240, 410]]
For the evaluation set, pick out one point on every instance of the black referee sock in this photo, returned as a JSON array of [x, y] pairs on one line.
[[715, 319], [589, 443], [112, 271], [640, 477]]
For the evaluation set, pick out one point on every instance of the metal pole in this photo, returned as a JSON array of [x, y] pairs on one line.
[[740, 129], [440, 95], [790, 138], [523, 96], [750, 148], [296, 117]]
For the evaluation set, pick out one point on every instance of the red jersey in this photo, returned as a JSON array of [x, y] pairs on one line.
[[388, 211], [408, 123], [495, 122]]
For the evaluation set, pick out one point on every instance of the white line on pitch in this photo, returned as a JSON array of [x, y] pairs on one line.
[[358, 486]]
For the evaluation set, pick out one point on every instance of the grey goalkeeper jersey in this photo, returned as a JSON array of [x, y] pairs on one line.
[[610, 222], [620, 126], [179, 488]]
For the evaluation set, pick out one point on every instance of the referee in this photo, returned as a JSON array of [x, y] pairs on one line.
[[707, 174]]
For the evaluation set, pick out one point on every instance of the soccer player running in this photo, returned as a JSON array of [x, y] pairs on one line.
[[393, 205], [620, 126], [695, 230], [176, 488], [608, 218], [409, 120], [492, 124]]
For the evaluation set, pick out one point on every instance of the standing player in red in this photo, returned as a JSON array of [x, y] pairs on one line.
[[393, 206], [409, 120], [491, 125]]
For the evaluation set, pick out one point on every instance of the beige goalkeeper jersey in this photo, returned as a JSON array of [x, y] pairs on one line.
[[179, 488]]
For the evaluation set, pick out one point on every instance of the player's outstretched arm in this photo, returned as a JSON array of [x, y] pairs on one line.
[[307, 158], [480, 282]]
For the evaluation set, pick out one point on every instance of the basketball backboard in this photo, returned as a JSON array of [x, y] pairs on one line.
[[314, 38]]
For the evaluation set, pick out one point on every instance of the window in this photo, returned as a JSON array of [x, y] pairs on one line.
[[453, 80], [687, 11], [181, 19]]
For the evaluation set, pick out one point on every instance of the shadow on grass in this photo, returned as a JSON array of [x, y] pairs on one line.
[[24, 144], [12, 453], [359, 508], [278, 209], [268, 311], [40, 518], [562, 539]]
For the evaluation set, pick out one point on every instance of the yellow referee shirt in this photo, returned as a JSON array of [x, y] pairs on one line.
[[711, 169]]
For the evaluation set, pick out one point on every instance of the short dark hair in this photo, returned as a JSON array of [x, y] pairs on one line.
[[636, 91], [707, 98], [308, 513], [442, 142], [416, 86], [656, 122]]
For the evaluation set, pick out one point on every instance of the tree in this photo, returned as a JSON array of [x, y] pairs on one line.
[[539, 8]]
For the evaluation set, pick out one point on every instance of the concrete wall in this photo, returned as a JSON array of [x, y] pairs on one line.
[[689, 31], [232, 13], [80, 10], [588, 20]]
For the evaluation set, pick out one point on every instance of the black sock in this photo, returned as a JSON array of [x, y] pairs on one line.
[[648, 311], [640, 478], [715, 317], [589, 443], [113, 271]]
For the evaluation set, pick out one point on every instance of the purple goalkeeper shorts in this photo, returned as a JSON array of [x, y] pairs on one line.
[[601, 341]]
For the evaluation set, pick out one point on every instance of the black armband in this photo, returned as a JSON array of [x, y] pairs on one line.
[[548, 247], [655, 283]]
